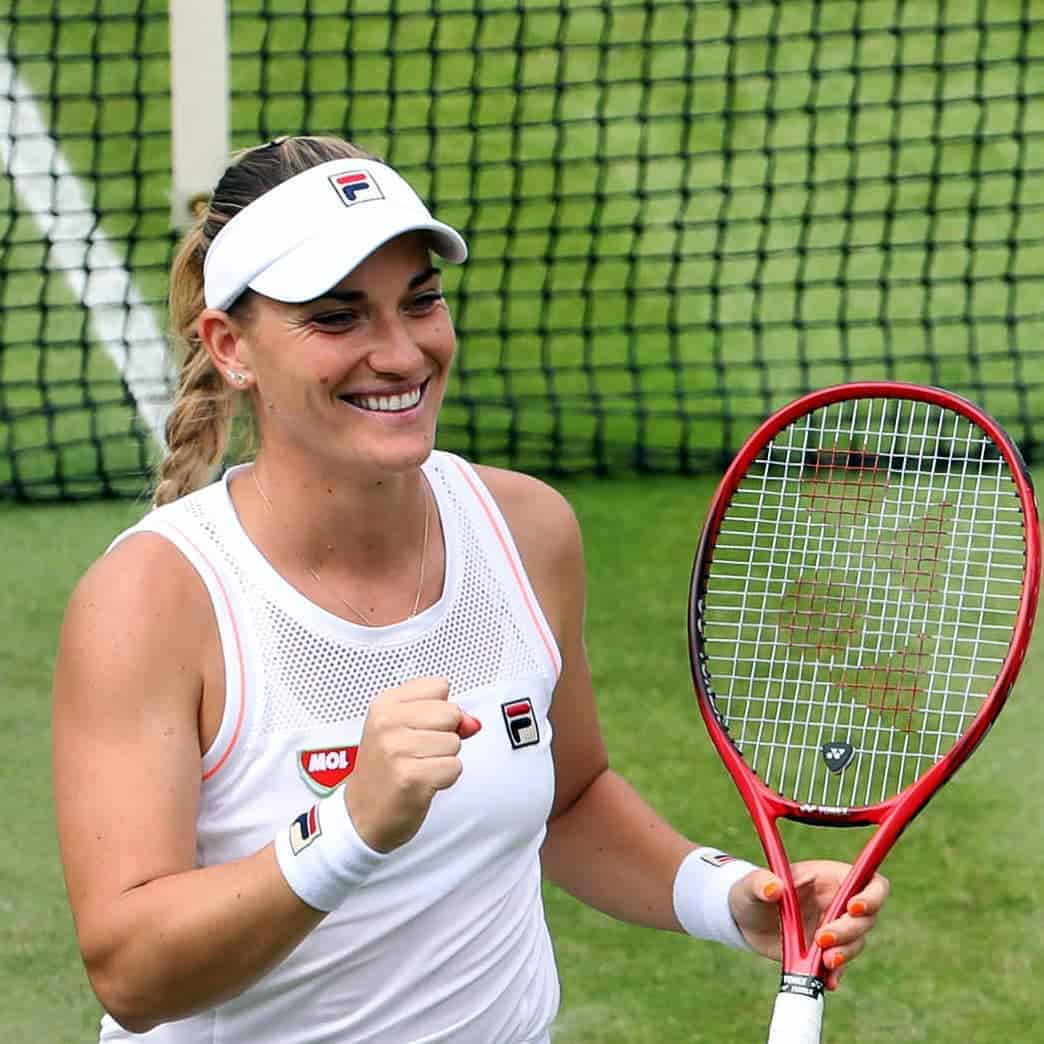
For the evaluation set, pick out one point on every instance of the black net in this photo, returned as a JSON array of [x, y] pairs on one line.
[[681, 214]]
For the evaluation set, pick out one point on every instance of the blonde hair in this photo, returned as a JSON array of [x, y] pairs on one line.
[[199, 426]]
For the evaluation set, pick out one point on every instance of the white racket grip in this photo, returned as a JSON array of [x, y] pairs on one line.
[[796, 1019]]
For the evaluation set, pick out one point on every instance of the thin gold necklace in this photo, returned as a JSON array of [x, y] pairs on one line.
[[314, 573]]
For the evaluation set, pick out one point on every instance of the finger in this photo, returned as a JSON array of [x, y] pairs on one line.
[[468, 726], [806, 881], [765, 886], [446, 717], [870, 900], [442, 773], [836, 957], [827, 874], [423, 688], [434, 715], [425, 743], [844, 929], [843, 940]]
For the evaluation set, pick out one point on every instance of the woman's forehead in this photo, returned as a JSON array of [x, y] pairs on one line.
[[405, 255], [392, 268]]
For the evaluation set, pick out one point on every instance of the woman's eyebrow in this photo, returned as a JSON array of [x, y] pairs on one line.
[[360, 295], [339, 295], [423, 277]]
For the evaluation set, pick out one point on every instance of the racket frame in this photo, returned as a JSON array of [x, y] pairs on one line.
[[803, 959]]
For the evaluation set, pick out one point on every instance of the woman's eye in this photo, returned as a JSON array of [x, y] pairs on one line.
[[329, 319], [425, 302]]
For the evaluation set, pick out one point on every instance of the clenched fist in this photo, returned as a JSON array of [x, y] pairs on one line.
[[408, 751]]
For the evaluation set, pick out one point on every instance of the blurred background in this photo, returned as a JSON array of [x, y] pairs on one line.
[[681, 215]]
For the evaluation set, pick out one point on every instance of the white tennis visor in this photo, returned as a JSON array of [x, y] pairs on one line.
[[305, 235]]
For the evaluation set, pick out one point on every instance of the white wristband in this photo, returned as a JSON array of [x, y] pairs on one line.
[[701, 895], [322, 856]]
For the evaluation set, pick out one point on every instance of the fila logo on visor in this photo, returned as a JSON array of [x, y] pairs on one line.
[[326, 767], [356, 186], [521, 723]]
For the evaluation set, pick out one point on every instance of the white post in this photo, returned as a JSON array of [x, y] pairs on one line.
[[199, 101]]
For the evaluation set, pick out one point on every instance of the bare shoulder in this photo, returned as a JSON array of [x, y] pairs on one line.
[[140, 608], [143, 572], [542, 520], [546, 531]]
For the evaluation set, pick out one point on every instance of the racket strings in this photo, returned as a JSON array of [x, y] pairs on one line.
[[861, 597]]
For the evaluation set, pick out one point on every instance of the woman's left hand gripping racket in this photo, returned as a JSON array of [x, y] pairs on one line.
[[861, 602]]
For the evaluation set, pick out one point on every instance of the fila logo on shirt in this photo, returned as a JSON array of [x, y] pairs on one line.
[[355, 186], [520, 721], [325, 768]]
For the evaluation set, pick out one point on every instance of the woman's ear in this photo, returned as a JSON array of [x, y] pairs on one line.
[[222, 337]]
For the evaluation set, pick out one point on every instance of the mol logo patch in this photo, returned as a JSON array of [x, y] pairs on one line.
[[325, 768], [355, 186], [521, 724]]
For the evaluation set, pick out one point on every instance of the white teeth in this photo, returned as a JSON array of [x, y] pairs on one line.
[[387, 403]]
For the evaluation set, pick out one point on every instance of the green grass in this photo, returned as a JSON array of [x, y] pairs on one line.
[[668, 240], [959, 954], [713, 263], [45, 999], [960, 951]]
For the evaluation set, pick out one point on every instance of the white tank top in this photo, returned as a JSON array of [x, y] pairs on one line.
[[447, 941]]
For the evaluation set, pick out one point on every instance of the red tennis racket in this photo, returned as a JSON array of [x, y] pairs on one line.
[[861, 602]]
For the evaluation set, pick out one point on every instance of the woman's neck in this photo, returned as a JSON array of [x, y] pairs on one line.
[[359, 526]]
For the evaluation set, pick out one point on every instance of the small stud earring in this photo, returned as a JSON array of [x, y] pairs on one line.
[[239, 378]]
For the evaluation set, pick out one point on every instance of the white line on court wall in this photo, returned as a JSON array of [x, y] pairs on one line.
[[119, 317]]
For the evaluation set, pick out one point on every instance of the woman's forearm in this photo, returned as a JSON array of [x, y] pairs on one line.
[[610, 850], [185, 942]]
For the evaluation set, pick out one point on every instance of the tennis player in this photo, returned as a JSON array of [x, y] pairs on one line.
[[323, 724]]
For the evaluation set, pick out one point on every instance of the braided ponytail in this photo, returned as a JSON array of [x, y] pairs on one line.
[[200, 423]]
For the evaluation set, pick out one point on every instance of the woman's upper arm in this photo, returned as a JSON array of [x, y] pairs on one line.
[[546, 531], [127, 688]]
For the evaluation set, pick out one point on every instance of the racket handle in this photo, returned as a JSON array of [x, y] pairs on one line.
[[797, 1017]]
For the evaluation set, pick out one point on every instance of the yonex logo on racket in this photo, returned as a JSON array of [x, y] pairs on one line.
[[837, 755], [520, 721], [355, 186]]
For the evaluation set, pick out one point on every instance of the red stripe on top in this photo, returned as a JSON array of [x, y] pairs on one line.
[[241, 712], [513, 709], [549, 645], [347, 179]]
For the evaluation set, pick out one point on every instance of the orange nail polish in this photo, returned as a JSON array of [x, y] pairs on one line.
[[771, 889], [839, 959], [826, 940], [857, 908]]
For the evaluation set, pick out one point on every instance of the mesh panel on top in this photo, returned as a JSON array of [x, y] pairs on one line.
[[312, 678]]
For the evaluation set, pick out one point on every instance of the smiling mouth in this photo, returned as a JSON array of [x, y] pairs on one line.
[[397, 403]]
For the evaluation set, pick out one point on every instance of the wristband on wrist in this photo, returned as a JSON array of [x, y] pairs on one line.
[[701, 895], [322, 856]]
